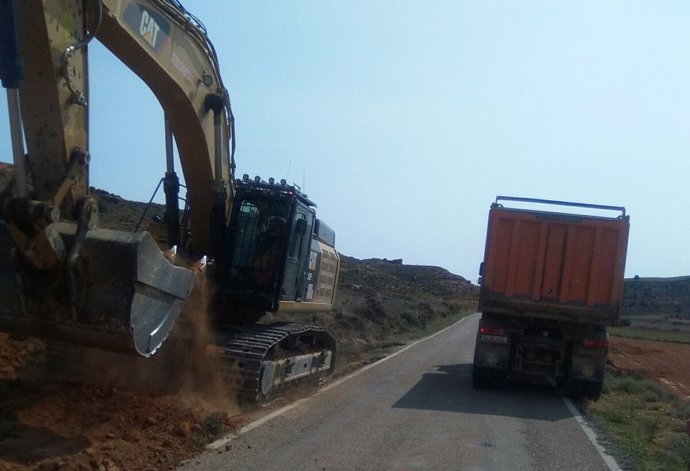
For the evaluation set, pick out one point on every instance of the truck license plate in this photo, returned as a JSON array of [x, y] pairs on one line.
[[502, 339]]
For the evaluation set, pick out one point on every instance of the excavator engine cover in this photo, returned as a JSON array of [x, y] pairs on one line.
[[118, 292]]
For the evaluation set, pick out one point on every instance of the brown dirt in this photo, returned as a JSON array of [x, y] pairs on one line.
[[71, 426], [66, 425], [668, 363], [75, 426]]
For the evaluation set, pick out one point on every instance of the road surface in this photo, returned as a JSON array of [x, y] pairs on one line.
[[415, 411]]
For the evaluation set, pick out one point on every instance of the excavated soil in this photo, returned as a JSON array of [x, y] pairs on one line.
[[63, 425]]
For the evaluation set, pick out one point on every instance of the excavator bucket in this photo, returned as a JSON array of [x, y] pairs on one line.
[[119, 293]]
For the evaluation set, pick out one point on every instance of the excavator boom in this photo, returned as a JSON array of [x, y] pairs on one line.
[[63, 276]]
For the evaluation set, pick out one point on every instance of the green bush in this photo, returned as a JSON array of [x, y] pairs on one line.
[[629, 386]]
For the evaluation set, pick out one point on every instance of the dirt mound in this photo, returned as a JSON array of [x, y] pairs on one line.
[[76, 427]]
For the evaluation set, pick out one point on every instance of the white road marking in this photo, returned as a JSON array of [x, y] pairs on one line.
[[257, 423], [608, 459]]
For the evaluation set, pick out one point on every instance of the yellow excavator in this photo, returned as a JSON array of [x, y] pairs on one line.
[[64, 278]]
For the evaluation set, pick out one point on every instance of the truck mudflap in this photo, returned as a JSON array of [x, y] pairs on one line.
[[118, 292]]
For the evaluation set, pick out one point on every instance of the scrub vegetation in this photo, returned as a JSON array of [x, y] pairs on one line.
[[644, 424]]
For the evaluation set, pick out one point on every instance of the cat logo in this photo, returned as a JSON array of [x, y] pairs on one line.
[[148, 28], [150, 25]]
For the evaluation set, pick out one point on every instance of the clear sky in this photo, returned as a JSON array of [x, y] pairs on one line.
[[404, 119]]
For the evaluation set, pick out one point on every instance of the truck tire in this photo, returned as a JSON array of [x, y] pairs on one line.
[[592, 391], [573, 388]]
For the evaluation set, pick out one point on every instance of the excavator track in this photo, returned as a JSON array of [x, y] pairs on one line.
[[262, 362]]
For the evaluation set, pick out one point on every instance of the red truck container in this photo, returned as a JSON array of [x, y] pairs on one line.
[[551, 282]]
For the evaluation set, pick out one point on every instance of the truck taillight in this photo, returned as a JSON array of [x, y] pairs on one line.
[[491, 334], [596, 343], [485, 330]]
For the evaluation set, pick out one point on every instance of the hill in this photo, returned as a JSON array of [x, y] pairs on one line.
[[383, 303], [666, 297]]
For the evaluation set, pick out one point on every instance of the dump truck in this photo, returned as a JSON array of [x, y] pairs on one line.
[[551, 282]]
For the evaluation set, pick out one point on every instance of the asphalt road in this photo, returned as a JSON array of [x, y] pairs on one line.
[[418, 411]]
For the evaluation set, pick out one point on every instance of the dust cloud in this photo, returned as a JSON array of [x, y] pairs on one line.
[[188, 365]]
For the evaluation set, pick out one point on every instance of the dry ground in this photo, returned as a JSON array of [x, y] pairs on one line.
[[71, 426], [668, 363], [68, 426], [77, 426]]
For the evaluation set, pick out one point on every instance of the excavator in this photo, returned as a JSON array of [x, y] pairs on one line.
[[64, 278]]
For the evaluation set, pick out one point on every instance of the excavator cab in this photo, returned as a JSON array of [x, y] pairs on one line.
[[278, 256], [267, 240]]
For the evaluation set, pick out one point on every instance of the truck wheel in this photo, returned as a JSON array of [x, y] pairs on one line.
[[592, 391], [573, 388]]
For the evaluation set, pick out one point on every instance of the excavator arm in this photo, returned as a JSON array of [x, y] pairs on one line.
[[63, 276], [169, 50]]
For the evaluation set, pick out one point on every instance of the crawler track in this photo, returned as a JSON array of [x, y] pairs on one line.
[[265, 361], [257, 362]]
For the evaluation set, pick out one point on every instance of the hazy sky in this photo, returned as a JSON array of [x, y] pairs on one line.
[[404, 119]]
